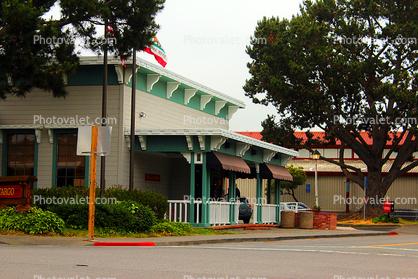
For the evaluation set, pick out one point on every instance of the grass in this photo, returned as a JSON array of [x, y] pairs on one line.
[[100, 233], [357, 221], [407, 222]]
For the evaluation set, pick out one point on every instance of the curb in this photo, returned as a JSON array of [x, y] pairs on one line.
[[376, 227], [124, 244], [240, 226], [224, 240], [263, 239]]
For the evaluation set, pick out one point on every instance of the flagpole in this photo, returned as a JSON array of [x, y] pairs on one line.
[[133, 99], [104, 113]]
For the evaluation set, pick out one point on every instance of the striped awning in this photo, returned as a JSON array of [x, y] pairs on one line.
[[228, 162], [276, 172]]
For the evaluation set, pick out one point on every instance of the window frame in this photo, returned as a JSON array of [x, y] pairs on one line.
[[55, 154], [6, 133]]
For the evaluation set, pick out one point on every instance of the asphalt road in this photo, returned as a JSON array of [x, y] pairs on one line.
[[387, 257]]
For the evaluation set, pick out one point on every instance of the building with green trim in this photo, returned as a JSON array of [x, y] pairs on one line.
[[183, 146]]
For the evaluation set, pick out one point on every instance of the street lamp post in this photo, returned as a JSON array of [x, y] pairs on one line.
[[316, 155]]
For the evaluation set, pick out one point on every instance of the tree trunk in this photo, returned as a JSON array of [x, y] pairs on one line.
[[293, 195], [375, 193]]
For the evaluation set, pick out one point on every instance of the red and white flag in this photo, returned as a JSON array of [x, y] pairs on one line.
[[158, 52]]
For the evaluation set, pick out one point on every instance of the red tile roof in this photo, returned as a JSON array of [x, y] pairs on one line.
[[316, 135], [308, 165], [255, 135]]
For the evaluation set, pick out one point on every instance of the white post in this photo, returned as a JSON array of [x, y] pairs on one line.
[[169, 212], [316, 182]]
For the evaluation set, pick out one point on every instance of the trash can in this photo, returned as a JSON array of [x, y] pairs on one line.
[[288, 219], [306, 220]]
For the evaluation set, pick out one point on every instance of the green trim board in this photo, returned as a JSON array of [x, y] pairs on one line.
[[192, 189], [179, 143], [277, 199], [159, 89], [259, 196], [229, 147], [171, 144], [232, 193], [254, 154], [205, 190], [92, 75], [276, 160]]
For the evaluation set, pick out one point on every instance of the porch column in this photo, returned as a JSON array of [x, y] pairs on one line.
[[205, 197], [208, 197], [259, 195], [268, 190], [192, 190], [232, 194], [277, 199]]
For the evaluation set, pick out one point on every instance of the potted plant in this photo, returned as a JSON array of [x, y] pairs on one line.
[[316, 208]]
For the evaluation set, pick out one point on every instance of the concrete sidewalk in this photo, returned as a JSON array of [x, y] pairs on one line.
[[275, 234]]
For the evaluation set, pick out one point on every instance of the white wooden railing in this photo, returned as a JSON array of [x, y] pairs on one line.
[[268, 213], [219, 213], [179, 210]]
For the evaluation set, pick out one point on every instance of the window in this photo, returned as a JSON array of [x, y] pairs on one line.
[[70, 169], [20, 153]]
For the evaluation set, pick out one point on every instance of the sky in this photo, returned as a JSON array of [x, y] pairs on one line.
[[205, 41]]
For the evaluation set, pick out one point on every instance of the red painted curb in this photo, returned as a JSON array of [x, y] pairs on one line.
[[124, 244], [393, 233]]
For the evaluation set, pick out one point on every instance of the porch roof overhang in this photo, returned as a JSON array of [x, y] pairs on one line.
[[211, 139]]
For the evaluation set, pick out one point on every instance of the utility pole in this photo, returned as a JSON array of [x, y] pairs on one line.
[[104, 112], [133, 100]]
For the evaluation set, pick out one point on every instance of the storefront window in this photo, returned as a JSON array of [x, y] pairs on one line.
[[70, 168], [20, 154]]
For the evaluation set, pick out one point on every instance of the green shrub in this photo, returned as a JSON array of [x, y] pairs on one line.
[[59, 192], [157, 202], [125, 216], [75, 216], [144, 215], [172, 228], [385, 219], [32, 221]]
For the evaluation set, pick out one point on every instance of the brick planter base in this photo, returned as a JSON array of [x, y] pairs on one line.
[[321, 221]]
